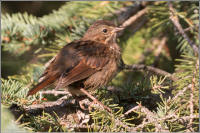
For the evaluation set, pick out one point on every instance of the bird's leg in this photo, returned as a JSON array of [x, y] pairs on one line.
[[40, 95], [94, 99]]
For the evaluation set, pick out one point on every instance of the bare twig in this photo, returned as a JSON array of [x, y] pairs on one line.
[[191, 110], [48, 106], [181, 92], [158, 50], [191, 28], [151, 118], [192, 88], [55, 93], [158, 71], [78, 126], [132, 19], [175, 21], [139, 25], [132, 109], [124, 13], [153, 121], [185, 118]]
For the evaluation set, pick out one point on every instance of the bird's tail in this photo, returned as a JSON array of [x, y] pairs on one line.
[[42, 84]]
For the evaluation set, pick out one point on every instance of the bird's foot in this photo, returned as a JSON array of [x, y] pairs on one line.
[[82, 105], [100, 104], [95, 100], [83, 102]]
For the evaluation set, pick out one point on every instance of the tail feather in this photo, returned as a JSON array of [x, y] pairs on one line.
[[42, 84]]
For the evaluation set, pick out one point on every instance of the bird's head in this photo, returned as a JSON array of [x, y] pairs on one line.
[[102, 31]]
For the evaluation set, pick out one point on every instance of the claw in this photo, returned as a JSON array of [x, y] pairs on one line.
[[81, 103]]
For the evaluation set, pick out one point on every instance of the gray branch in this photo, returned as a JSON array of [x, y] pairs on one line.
[[138, 67], [175, 21]]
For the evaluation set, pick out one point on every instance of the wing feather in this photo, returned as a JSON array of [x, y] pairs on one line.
[[76, 61]]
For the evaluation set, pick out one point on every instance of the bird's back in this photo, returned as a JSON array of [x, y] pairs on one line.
[[87, 64]]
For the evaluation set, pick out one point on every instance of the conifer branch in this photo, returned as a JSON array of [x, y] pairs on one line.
[[192, 88], [126, 12], [175, 20], [48, 106], [175, 101], [135, 17], [138, 67]]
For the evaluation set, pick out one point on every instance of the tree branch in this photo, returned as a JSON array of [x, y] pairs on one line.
[[175, 21], [181, 92], [55, 93], [137, 67], [132, 109], [192, 89], [158, 50], [126, 12], [48, 106], [132, 19]]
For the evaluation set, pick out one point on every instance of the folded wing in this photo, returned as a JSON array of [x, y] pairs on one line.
[[76, 61]]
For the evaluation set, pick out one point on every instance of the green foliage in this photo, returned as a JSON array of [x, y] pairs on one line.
[[20, 31], [32, 41], [160, 21], [187, 69], [44, 122], [14, 92]]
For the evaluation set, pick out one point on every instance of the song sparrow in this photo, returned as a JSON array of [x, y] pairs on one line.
[[86, 64]]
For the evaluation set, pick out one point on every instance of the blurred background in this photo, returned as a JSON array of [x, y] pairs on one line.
[[37, 8]]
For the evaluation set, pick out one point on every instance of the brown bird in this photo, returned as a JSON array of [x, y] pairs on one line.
[[86, 64]]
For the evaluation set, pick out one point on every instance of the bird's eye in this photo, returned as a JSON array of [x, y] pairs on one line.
[[105, 30]]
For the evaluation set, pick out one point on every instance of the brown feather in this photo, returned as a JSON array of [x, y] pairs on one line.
[[42, 84], [81, 71], [77, 61]]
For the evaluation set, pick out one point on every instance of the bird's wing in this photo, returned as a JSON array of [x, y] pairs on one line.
[[93, 56], [76, 61]]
